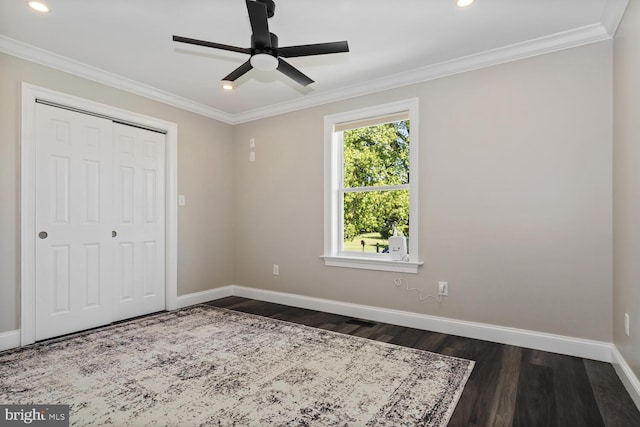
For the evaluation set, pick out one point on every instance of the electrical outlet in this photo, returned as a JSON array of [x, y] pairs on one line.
[[276, 269], [626, 324], [443, 288], [252, 143]]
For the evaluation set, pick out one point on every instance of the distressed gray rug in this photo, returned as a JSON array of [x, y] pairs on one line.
[[209, 366]]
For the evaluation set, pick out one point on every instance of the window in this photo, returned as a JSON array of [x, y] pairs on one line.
[[371, 187]]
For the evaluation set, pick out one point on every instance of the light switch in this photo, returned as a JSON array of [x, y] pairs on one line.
[[181, 200], [252, 156], [252, 143]]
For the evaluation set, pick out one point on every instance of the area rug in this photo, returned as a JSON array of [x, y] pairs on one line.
[[210, 366]]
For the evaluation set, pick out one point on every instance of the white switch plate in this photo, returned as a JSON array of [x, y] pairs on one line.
[[181, 200], [252, 156], [276, 269], [252, 143]]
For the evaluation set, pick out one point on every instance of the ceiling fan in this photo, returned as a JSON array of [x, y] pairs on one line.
[[265, 53]]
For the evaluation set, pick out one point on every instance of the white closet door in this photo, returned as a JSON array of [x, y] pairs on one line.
[[74, 247], [139, 285]]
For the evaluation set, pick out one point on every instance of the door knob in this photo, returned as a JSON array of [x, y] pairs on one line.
[[43, 235], [114, 233]]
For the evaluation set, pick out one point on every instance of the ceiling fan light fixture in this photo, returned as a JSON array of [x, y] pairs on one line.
[[264, 62], [464, 3], [227, 85], [265, 53], [38, 6]]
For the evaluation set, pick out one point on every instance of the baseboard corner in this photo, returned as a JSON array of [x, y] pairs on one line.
[[628, 378], [204, 296]]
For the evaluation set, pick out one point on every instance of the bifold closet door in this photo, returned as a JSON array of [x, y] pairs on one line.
[[100, 221], [74, 248], [139, 222]]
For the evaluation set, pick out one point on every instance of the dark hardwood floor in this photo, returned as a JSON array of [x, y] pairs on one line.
[[509, 386]]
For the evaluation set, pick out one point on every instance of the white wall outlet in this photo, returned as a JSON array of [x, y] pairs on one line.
[[252, 143], [181, 200], [443, 288], [276, 269], [626, 324], [252, 156]]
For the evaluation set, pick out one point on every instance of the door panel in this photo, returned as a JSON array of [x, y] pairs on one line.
[[60, 192], [60, 279], [73, 193], [91, 275], [139, 221], [91, 199]]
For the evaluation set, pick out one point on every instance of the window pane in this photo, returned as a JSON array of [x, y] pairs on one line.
[[376, 155], [370, 216]]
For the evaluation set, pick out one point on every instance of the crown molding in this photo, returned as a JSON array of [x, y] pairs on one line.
[[67, 65], [555, 42], [564, 40], [612, 15]]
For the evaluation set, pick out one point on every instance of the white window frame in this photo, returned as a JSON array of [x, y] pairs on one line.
[[333, 203]]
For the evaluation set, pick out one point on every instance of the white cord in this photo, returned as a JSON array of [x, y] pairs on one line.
[[398, 282]]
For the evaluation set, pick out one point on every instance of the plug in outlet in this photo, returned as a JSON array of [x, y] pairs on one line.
[[276, 269], [626, 324], [443, 289]]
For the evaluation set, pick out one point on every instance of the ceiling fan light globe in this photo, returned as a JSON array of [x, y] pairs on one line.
[[264, 62]]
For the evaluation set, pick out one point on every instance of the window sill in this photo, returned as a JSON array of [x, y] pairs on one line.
[[372, 264]]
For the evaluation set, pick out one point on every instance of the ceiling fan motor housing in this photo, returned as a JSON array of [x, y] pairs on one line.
[[270, 50]]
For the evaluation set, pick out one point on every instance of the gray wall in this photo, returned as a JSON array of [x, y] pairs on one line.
[[626, 180], [204, 176], [515, 198], [515, 195]]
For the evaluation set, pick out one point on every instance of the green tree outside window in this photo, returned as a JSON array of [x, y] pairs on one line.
[[376, 158]]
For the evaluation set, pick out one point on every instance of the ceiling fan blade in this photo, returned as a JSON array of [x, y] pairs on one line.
[[241, 70], [313, 49], [292, 72], [211, 44], [259, 24]]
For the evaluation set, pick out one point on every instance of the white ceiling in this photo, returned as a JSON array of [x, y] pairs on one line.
[[127, 44]]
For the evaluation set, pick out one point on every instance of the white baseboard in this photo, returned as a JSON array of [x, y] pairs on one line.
[[626, 375], [9, 340], [588, 349], [204, 296]]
